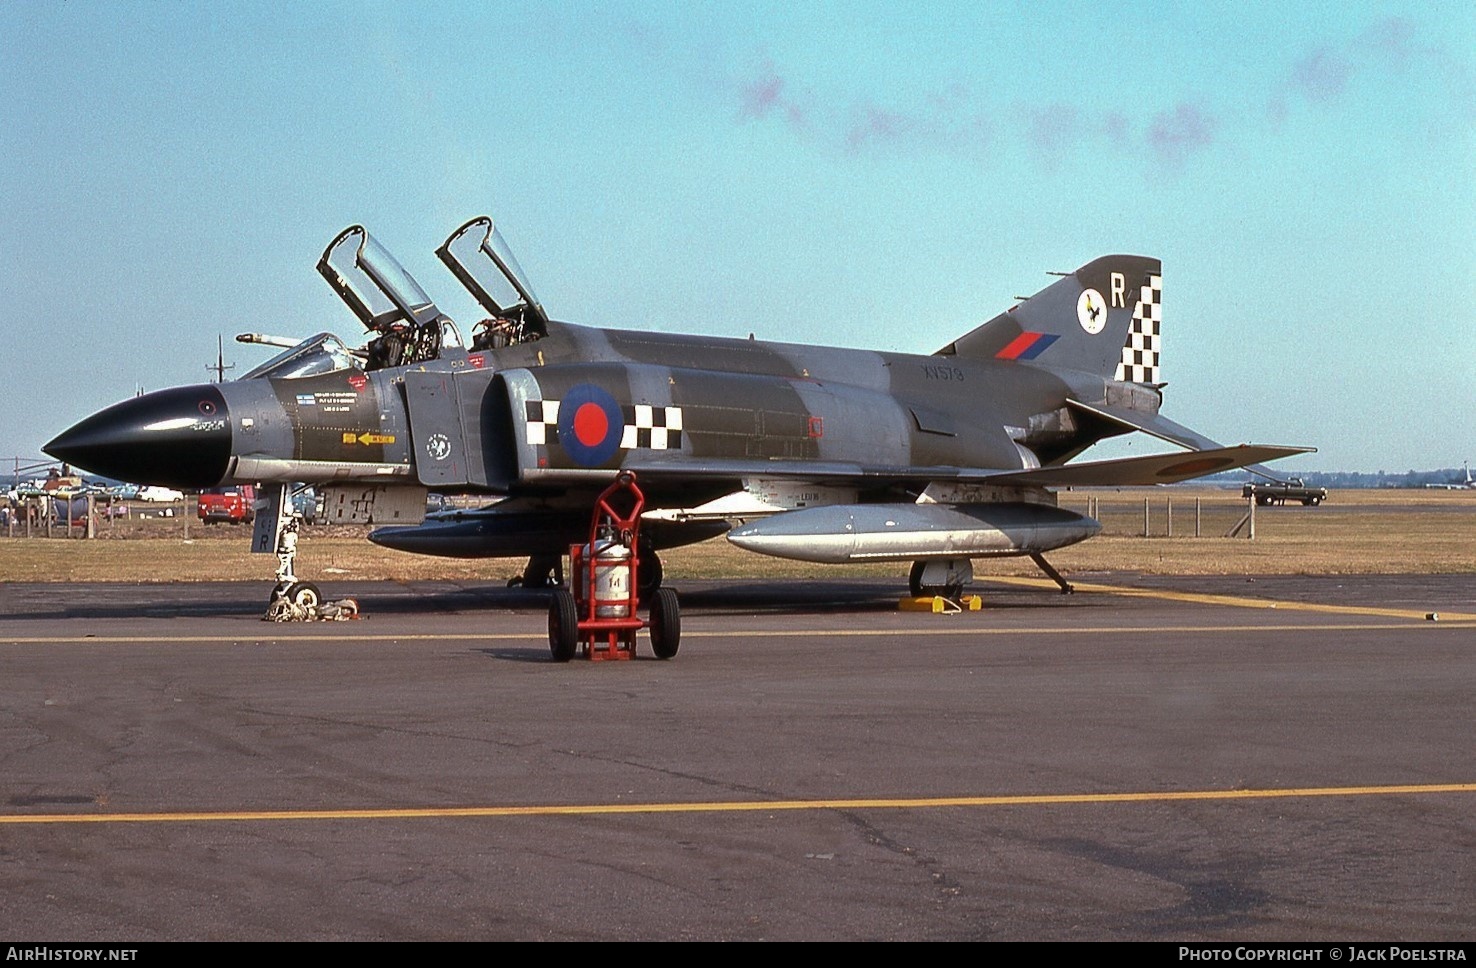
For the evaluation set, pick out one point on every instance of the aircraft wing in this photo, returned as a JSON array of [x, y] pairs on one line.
[[1163, 428], [1117, 472], [1152, 469]]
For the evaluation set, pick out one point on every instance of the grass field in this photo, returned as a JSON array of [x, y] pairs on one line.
[[1355, 532]]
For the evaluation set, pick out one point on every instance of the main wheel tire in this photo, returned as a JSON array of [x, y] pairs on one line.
[[918, 590], [563, 625], [914, 579], [649, 577], [304, 594], [666, 623]]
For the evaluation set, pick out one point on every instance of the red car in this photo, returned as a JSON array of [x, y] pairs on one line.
[[235, 504]]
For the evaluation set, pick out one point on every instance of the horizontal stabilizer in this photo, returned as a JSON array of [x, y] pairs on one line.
[[1153, 469]]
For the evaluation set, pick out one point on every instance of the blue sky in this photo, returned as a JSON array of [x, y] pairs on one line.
[[841, 173]]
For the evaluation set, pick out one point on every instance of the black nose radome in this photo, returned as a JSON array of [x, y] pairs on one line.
[[179, 437]]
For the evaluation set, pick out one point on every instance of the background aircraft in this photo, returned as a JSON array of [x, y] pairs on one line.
[[1458, 484], [820, 454]]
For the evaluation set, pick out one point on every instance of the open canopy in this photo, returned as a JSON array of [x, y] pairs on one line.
[[480, 259], [373, 283]]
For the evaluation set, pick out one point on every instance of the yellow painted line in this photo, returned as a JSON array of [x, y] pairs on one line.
[[1234, 601], [738, 806], [539, 635], [911, 633]]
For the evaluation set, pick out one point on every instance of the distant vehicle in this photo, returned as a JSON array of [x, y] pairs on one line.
[[1280, 492], [305, 505], [160, 495], [235, 503]]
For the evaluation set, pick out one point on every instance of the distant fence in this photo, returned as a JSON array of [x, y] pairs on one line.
[[1163, 514], [1160, 514], [68, 515]]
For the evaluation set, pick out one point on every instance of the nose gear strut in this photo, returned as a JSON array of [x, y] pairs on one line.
[[292, 600]]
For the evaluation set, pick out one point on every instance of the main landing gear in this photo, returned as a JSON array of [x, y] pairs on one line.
[[946, 578], [547, 571], [542, 571], [942, 578]]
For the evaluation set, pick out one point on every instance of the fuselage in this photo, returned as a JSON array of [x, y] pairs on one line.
[[580, 402]]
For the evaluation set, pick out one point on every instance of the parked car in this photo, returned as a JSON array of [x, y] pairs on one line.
[[160, 495], [236, 504]]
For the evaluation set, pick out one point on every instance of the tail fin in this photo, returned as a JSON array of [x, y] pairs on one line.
[[1103, 318]]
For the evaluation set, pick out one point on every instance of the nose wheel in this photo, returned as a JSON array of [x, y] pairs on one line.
[[303, 594]]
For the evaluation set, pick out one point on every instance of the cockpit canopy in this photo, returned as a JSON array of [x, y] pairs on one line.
[[481, 260], [373, 283], [323, 353], [409, 327]]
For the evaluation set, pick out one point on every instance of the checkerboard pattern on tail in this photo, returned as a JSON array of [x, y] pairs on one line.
[[1141, 351]]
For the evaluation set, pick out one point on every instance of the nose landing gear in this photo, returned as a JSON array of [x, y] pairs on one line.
[[292, 600]]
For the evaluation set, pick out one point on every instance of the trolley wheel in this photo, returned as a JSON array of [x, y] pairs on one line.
[[666, 623], [563, 625], [304, 594]]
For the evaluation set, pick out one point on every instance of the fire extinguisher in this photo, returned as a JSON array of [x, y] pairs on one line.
[[611, 578]]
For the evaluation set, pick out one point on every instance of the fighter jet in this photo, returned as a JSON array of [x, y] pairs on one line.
[[804, 452]]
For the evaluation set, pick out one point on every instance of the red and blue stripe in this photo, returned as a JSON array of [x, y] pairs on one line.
[[1026, 346]]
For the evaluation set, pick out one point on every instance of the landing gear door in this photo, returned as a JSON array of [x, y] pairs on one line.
[[273, 511]]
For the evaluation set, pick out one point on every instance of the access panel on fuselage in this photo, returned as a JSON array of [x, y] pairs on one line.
[[457, 426]]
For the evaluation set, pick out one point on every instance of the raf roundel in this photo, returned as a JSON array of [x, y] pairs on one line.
[[590, 425]]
